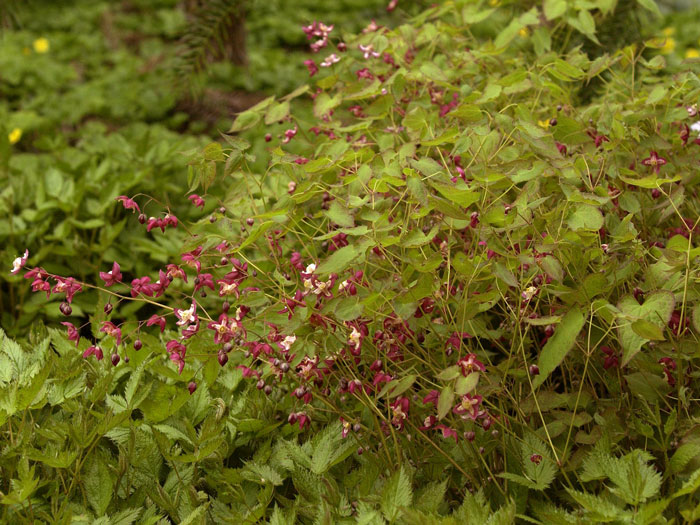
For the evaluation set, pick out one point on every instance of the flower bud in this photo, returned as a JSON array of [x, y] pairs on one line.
[[222, 357], [65, 309], [534, 370], [138, 345], [222, 210], [115, 359], [284, 367], [227, 347], [192, 387], [250, 221], [267, 390], [108, 308], [260, 384], [142, 218], [224, 309]]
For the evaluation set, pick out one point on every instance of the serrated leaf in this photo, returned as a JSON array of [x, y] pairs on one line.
[[657, 309], [397, 493], [684, 455]]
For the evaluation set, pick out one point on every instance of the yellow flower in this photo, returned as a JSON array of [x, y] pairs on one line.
[[524, 32], [543, 123], [669, 46], [41, 45], [14, 136], [692, 53]]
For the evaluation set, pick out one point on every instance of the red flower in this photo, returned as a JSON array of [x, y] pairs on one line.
[[399, 412], [113, 276], [156, 319], [129, 204], [196, 200], [468, 408], [142, 286], [73, 334], [455, 340], [654, 161], [112, 330], [448, 432], [202, 280], [192, 258], [432, 397], [68, 285], [470, 364], [311, 66], [94, 350]]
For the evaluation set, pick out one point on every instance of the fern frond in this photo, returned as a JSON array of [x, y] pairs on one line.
[[215, 30]]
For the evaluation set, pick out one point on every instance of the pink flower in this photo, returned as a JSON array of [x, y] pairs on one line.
[[311, 66], [470, 364], [330, 60], [368, 51], [654, 161], [174, 271], [186, 317], [142, 286], [363, 73], [468, 407], [192, 258], [448, 432], [202, 280], [19, 262], [94, 350], [399, 412], [129, 204], [455, 340], [112, 330], [73, 334], [113, 276], [156, 319], [289, 134], [68, 285], [432, 397], [196, 200]]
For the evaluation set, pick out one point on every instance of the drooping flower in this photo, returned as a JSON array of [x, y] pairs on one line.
[[73, 333], [399, 412], [142, 286], [109, 328], [129, 204], [68, 285], [368, 51], [156, 319], [113, 276], [94, 350], [196, 200], [19, 262], [311, 66]]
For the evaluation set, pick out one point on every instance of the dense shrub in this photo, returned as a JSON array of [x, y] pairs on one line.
[[471, 274]]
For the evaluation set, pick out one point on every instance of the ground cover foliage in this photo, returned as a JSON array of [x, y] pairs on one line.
[[452, 279]]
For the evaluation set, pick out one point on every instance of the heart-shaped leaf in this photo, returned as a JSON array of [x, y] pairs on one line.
[[656, 310]]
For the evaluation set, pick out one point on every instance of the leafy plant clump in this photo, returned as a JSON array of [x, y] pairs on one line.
[[472, 273]]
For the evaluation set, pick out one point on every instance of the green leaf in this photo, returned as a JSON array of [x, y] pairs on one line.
[[650, 5], [397, 494], [342, 259], [340, 215], [647, 330], [559, 344], [445, 401], [464, 385], [684, 455], [554, 8], [657, 310], [277, 113], [97, 483], [585, 217]]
